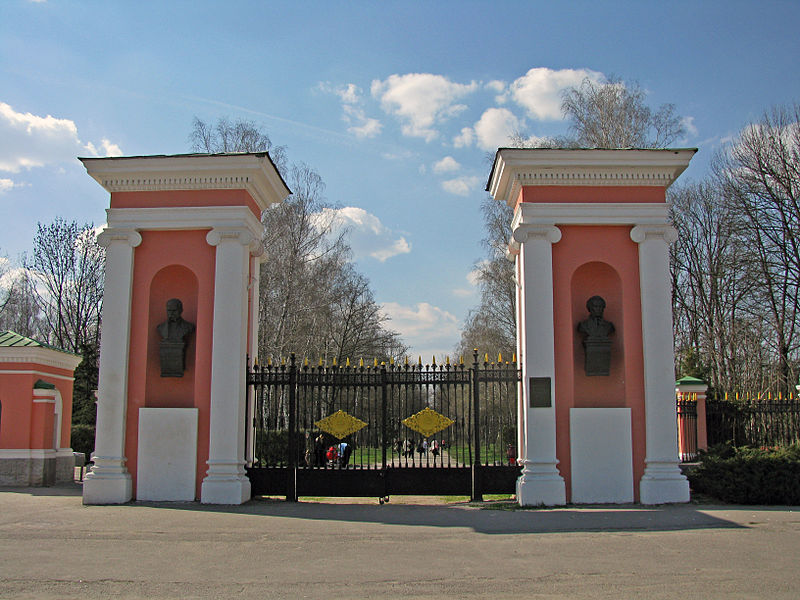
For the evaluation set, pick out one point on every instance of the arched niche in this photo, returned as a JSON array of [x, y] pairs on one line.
[[174, 281], [600, 391]]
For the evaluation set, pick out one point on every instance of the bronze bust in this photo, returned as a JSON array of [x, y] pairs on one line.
[[596, 345], [172, 349]]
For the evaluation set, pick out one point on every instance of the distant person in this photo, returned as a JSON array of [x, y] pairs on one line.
[[345, 450]]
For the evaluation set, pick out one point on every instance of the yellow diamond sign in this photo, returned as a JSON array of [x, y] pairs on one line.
[[427, 422], [340, 424]]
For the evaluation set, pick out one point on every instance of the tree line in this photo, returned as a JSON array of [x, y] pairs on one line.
[[735, 267]]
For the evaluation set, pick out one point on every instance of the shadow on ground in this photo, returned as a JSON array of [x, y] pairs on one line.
[[555, 520], [490, 517]]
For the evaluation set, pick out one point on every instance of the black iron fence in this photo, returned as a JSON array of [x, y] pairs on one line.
[[753, 421], [370, 418]]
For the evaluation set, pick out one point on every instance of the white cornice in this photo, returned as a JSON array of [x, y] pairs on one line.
[[531, 218], [252, 172], [40, 356], [600, 213], [514, 168], [167, 218]]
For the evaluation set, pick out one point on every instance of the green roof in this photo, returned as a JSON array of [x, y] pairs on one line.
[[12, 339], [41, 384], [690, 380]]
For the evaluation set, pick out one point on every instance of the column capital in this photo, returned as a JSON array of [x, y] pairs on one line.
[[525, 232], [642, 232], [234, 234], [109, 235]]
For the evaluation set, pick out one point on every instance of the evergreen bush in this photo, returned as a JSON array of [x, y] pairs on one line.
[[83, 439], [748, 475]]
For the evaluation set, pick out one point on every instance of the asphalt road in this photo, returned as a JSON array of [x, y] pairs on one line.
[[51, 546]]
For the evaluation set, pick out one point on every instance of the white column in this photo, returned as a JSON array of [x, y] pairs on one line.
[[662, 480], [109, 481], [540, 482], [225, 481]]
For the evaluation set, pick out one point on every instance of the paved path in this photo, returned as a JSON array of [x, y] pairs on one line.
[[53, 547]]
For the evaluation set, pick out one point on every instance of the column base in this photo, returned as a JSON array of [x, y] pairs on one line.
[[541, 487], [225, 491], [663, 483], [113, 487]]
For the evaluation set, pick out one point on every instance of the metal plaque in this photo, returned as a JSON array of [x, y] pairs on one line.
[[540, 396]]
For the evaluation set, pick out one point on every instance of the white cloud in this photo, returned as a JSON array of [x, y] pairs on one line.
[[465, 138], [539, 90], [461, 186], [7, 185], [368, 237], [421, 101], [361, 125], [689, 126], [447, 165], [497, 86], [400, 155], [428, 329], [33, 141], [474, 276], [351, 97], [495, 127], [500, 88]]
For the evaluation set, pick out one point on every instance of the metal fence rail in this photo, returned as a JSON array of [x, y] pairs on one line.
[[379, 410], [753, 422]]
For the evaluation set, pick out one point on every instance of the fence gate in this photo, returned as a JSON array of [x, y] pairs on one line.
[[380, 430]]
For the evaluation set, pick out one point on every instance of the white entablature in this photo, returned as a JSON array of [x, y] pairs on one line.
[[514, 168], [254, 172]]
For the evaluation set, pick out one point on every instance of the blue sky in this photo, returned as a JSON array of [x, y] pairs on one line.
[[395, 104]]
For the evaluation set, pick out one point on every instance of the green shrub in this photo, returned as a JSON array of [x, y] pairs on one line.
[[747, 475], [83, 439]]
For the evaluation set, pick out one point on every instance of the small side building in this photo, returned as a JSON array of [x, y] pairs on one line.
[[35, 412]]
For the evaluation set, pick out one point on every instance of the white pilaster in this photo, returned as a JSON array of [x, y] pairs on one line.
[[109, 481], [225, 481], [540, 482], [662, 480]]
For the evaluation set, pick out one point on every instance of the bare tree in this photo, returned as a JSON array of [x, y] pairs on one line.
[[760, 175], [613, 114], [19, 310], [712, 288], [313, 302], [491, 326], [68, 267], [237, 136]]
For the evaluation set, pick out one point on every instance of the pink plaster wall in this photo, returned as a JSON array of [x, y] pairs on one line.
[[588, 261], [171, 264], [21, 420], [185, 198]]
